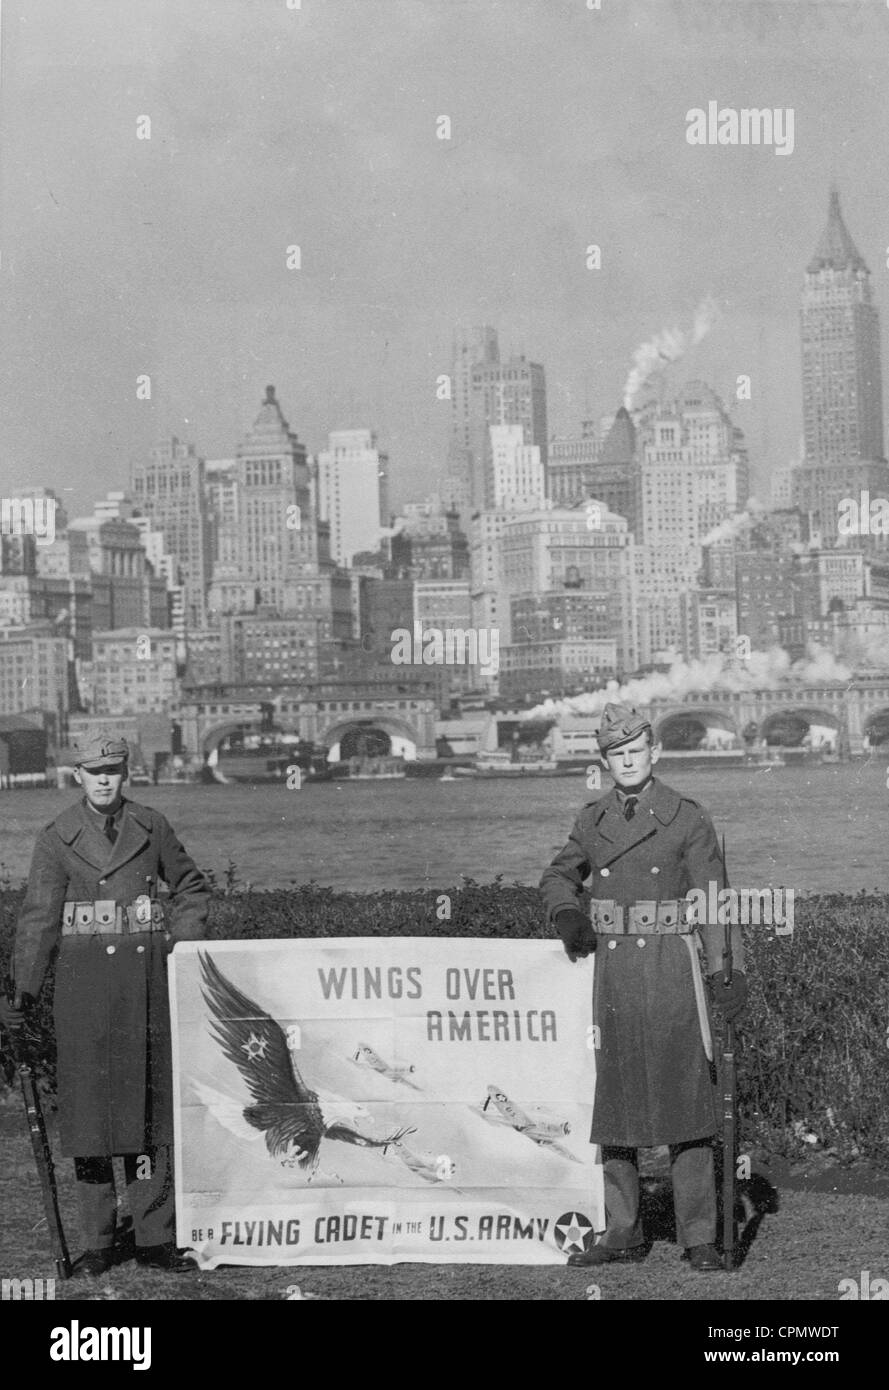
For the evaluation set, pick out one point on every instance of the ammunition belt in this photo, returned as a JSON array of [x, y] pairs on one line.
[[107, 917], [648, 918]]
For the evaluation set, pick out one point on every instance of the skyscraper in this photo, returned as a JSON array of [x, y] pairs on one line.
[[276, 519], [353, 492], [504, 393], [169, 490], [486, 391], [842, 390], [472, 347], [692, 476]]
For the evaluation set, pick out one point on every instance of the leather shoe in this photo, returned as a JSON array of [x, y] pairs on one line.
[[604, 1255], [704, 1257], [93, 1263], [165, 1257]]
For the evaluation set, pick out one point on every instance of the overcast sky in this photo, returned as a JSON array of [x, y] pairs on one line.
[[272, 127]]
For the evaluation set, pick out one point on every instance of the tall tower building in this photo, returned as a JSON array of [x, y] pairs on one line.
[[486, 391], [842, 390], [692, 476], [277, 529], [169, 490], [504, 393], [518, 479], [472, 347], [221, 487], [353, 492]]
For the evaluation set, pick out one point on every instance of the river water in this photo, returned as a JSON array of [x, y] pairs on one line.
[[815, 829]]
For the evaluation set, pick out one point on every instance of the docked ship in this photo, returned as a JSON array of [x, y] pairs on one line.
[[503, 763], [369, 769]]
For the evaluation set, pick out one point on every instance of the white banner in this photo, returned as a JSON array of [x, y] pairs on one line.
[[372, 1100]]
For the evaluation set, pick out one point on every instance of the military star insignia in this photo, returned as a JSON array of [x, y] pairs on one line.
[[255, 1047], [571, 1232]]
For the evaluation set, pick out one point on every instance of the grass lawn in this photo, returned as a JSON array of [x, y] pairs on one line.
[[799, 1251]]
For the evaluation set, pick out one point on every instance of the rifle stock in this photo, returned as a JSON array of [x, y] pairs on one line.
[[41, 1148]]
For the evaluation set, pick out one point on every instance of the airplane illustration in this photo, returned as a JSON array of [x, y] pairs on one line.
[[543, 1132], [367, 1057], [432, 1167], [284, 1110]]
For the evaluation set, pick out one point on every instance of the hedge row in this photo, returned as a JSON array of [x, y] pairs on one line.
[[813, 1055]]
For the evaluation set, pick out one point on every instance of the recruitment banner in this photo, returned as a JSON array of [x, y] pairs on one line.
[[373, 1100]]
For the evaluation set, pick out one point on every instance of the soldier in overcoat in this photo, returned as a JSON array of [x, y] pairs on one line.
[[645, 846], [93, 894]]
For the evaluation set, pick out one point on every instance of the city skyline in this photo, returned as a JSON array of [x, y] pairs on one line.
[[404, 236]]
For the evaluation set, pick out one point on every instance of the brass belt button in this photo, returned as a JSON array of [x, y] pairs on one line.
[[110, 950], [611, 945], [640, 941]]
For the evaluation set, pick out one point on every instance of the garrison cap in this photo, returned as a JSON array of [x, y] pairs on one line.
[[620, 723], [101, 749]]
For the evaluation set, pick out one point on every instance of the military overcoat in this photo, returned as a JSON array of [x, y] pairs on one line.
[[654, 1084], [111, 1006]]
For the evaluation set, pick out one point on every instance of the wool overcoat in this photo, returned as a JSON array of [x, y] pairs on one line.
[[111, 1007], [654, 1084]]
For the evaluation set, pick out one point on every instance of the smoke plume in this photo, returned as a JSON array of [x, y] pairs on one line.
[[668, 346], [760, 671], [735, 525]]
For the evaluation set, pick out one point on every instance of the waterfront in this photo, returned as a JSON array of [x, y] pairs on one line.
[[813, 828]]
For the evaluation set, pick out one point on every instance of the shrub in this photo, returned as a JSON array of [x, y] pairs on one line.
[[812, 1046]]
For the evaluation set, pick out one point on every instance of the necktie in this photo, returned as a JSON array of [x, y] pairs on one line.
[[630, 807], [110, 829]]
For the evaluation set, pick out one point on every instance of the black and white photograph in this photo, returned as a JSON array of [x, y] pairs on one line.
[[444, 663]]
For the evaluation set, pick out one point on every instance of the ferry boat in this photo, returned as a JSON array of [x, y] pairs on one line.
[[369, 769], [501, 763]]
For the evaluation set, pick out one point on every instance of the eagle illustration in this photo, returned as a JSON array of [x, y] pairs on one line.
[[284, 1108]]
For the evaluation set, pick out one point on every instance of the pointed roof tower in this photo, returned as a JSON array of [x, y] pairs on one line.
[[620, 441], [836, 247], [270, 433]]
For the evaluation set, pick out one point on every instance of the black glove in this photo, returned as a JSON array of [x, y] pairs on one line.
[[729, 999], [14, 1015], [577, 934]]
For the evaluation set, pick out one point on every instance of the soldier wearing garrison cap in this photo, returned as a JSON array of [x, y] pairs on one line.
[[93, 895], [644, 846]]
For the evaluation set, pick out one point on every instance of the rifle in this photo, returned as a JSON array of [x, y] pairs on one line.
[[40, 1144], [728, 1106]]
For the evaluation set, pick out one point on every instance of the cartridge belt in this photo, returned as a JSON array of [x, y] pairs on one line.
[[107, 917], [646, 918]]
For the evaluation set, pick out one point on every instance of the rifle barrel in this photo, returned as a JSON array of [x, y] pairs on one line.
[[729, 1137]]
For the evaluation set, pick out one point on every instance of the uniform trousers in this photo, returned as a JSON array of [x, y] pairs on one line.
[[694, 1195], [150, 1196]]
